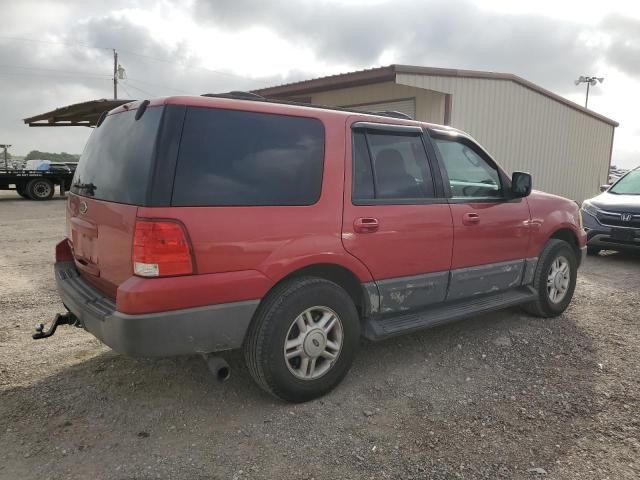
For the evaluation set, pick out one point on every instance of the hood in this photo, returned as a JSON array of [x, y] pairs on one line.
[[617, 203], [545, 196]]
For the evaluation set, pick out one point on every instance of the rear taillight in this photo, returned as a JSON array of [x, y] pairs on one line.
[[160, 249]]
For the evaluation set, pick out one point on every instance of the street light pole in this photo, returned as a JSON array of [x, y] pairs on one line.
[[115, 74], [586, 100], [589, 81]]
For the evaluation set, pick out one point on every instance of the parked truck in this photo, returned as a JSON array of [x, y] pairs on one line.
[[36, 184]]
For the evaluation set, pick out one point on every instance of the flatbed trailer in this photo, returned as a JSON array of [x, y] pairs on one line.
[[35, 184]]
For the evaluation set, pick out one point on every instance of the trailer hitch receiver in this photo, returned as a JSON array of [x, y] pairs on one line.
[[60, 319]]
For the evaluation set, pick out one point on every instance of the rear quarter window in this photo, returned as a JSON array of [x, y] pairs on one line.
[[236, 158], [117, 159]]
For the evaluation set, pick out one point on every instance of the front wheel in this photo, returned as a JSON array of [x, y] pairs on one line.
[[554, 279], [303, 339]]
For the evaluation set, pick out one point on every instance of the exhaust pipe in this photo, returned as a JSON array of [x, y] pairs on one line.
[[219, 367]]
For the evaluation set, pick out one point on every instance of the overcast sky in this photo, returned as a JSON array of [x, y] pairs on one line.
[[55, 52]]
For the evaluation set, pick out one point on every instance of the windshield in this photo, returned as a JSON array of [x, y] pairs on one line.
[[628, 185]]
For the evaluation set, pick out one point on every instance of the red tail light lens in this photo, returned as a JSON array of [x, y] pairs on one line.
[[160, 249]]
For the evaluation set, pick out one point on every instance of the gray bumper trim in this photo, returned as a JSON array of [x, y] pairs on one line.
[[179, 332]]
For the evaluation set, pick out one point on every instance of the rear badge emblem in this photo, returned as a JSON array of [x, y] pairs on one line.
[[83, 207], [626, 217]]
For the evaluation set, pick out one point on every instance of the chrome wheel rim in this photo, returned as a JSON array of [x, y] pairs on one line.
[[558, 279], [313, 343], [42, 189]]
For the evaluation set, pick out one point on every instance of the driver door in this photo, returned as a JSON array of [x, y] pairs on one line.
[[491, 232]]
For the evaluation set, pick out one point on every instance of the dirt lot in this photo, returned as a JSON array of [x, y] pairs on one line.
[[504, 395]]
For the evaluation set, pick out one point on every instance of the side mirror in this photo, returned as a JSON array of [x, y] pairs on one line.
[[604, 188], [520, 185]]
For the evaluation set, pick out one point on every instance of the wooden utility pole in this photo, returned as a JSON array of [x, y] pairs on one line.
[[6, 163], [115, 74]]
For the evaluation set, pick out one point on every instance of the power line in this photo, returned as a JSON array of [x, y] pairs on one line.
[[51, 42], [169, 62], [157, 85], [141, 90], [129, 52], [49, 75], [70, 72], [126, 91]]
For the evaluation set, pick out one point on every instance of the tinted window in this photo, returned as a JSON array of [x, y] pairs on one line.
[[469, 174], [362, 175], [400, 167], [629, 184], [230, 157], [116, 162]]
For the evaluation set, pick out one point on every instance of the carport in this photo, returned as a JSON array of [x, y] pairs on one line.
[[84, 114]]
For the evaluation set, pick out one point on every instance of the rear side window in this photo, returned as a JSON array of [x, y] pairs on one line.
[[235, 158], [116, 162], [390, 166]]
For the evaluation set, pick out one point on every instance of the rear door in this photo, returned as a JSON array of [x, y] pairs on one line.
[[112, 179], [396, 220], [491, 231]]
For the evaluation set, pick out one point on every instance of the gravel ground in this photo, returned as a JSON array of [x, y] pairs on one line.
[[504, 395]]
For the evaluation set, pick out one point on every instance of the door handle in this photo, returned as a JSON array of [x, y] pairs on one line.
[[470, 219], [366, 225]]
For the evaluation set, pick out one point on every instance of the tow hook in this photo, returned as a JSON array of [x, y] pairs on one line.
[[61, 319]]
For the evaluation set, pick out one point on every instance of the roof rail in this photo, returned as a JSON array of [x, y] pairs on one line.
[[240, 95], [394, 114]]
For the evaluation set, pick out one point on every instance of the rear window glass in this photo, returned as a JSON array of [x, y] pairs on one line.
[[115, 164], [234, 158]]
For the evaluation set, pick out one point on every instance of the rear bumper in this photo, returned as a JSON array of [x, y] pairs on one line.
[[178, 332]]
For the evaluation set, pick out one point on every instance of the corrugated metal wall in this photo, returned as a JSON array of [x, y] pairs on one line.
[[429, 105], [566, 151], [403, 106]]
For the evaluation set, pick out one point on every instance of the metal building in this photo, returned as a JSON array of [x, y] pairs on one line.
[[566, 147]]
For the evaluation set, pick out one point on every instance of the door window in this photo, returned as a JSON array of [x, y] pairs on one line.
[[390, 166], [470, 175]]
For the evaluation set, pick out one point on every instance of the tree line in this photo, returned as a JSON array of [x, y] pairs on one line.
[[54, 157]]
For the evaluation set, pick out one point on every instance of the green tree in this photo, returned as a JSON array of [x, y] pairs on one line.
[[53, 157]]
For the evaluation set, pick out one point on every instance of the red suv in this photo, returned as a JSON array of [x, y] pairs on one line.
[[203, 224]]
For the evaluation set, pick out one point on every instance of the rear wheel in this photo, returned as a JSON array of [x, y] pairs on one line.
[[593, 250], [22, 191], [554, 279], [40, 189], [303, 339]]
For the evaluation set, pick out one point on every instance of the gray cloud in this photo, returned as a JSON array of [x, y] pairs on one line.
[[437, 33], [624, 51], [37, 76]]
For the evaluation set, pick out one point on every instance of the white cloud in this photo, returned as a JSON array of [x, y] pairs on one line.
[[198, 46]]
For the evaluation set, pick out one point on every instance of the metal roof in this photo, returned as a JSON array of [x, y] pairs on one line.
[[85, 114], [388, 73]]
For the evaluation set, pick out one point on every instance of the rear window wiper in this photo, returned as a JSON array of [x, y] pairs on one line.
[[90, 187]]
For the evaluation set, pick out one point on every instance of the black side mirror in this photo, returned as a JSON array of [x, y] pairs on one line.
[[604, 188], [520, 185]]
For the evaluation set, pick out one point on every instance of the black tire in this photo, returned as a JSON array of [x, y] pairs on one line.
[[40, 189], [593, 251], [264, 345], [23, 193], [543, 306]]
